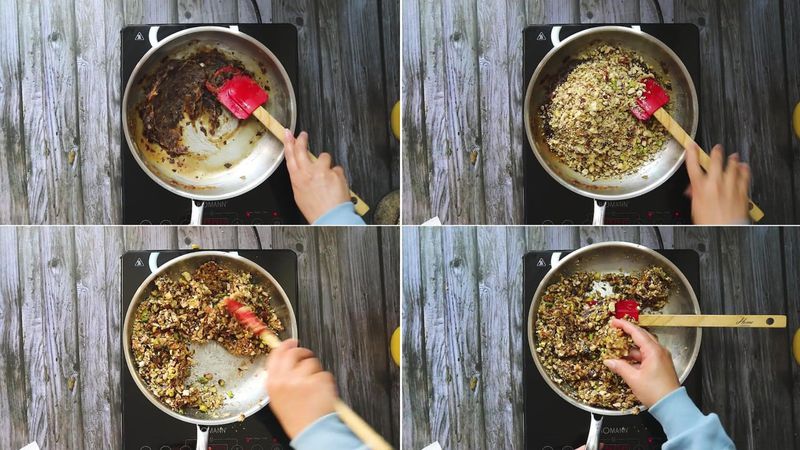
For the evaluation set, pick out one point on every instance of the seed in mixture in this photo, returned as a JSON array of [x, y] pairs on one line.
[[587, 121], [184, 311], [574, 335]]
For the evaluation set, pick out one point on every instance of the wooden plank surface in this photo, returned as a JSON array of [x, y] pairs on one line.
[[390, 29], [390, 264], [151, 11], [248, 15], [753, 282], [97, 62], [61, 322], [499, 283], [99, 366], [62, 149], [500, 89], [791, 242], [355, 321], [791, 30], [60, 125], [749, 378], [453, 129], [751, 34], [715, 382], [32, 115], [353, 100], [417, 382], [13, 189], [15, 393], [416, 160], [443, 76], [462, 339]]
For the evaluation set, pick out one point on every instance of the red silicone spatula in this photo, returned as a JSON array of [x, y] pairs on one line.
[[651, 104], [250, 321], [244, 97], [630, 308]]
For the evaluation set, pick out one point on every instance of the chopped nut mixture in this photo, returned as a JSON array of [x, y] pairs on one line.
[[588, 123], [185, 311], [177, 92], [574, 335]]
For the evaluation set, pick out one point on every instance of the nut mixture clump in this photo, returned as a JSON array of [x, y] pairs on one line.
[[185, 311], [574, 334], [177, 93], [587, 121]]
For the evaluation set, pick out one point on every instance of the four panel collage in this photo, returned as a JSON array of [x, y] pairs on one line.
[[399, 224]]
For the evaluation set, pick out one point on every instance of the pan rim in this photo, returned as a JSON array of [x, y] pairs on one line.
[[126, 330], [655, 182], [197, 195], [577, 254]]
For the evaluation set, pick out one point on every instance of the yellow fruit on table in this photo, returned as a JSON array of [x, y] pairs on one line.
[[395, 346], [796, 346], [796, 120], [396, 120]]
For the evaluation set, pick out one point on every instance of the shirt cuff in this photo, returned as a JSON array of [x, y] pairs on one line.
[[341, 214], [676, 412], [327, 432]]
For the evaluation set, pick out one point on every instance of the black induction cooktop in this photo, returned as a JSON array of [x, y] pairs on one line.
[[145, 202], [548, 202], [551, 423], [145, 427]]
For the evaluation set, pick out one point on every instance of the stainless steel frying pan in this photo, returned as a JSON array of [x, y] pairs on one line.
[[247, 385], [683, 343], [683, 103], [239, 156]]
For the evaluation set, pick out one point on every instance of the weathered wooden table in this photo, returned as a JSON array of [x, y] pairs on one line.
[[60, 95], [463, 329], [60, 321], [463, 92]]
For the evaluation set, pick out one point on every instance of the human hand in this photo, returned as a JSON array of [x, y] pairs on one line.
[[317, 186], [654, 377], [720, 196], [300, 391]]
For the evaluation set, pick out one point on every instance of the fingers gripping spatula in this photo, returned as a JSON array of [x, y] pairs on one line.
[[244, 97], [251, 322], [651, 104], [630, 308]]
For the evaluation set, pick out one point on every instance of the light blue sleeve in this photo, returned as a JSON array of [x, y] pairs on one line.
[[327, 432], [341, 214], [686, 427]]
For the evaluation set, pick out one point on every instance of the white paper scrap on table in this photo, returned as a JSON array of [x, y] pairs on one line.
[[434, 446], [32, 446], [435, 222]]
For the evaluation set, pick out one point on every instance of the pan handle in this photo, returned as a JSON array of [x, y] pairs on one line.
[[599, 216], [202, 437], [197, 213], [593, 440]]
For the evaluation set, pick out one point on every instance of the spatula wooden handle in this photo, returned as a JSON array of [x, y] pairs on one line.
[[277, 128], [360, 428], [686, 141], [727, 321]]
